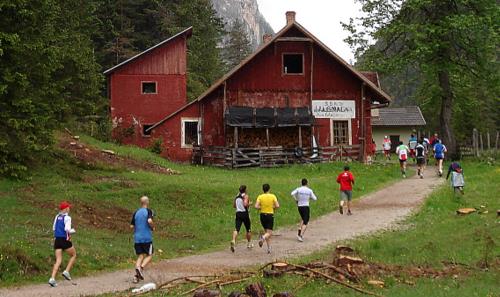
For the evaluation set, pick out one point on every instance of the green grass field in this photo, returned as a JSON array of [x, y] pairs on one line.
[[193, 210], [433, 235]]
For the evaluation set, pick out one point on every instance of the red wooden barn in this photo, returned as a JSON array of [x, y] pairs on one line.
[[293, 100]]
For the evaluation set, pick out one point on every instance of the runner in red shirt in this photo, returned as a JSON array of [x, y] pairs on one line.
[[346, 181]]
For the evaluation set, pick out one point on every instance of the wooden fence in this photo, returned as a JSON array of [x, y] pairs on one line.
[[271, 156], [480, 143]]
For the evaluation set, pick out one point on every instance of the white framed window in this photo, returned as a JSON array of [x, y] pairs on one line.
[[340, 132], [190, 132], [148, 87]]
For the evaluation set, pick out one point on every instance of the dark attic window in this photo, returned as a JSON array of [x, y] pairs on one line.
[[145, 131], [293, 64], [148, 87]]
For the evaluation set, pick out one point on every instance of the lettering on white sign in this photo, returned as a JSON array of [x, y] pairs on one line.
[[334, 109]]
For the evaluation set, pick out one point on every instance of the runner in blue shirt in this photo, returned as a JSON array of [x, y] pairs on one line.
[[439, 150], [62, 242], [142, 222]]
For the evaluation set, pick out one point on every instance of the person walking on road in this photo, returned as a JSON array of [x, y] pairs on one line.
[[402, 151], [421, 152], [439, 151], [142, 222], [266, 203], [62, 242], [386, 145], [241, 203], [346, 181], [302, 196]]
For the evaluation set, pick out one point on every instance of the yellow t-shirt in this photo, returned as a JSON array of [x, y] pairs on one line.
[[266, 202]]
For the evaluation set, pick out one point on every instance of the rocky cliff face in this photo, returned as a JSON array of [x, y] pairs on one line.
[[246, 11]]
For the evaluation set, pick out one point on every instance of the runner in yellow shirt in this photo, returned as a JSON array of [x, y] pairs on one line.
[[267, 203]]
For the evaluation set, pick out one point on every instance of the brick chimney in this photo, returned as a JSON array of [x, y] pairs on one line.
[[267, 37], [290, 17]]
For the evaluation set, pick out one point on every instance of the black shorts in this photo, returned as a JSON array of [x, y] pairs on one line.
[[304, 214], [420, 160], [144, 248], [267, 221], [402, 161], [61, 243], [242, 218]]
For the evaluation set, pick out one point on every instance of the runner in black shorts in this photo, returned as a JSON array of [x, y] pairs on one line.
[[241, 203], [302, 195], [267, 203], [62, 242]]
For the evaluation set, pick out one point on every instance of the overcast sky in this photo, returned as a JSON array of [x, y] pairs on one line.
[[320, 17]]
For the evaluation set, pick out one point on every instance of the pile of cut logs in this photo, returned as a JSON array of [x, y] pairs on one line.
[[341, 272]]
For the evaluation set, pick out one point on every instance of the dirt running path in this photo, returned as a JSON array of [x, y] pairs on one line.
[[373, 212]]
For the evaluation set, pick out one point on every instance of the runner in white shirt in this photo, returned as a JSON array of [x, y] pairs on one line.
[[402, 151], [302, 195]]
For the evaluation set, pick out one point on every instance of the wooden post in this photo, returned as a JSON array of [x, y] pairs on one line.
[[267, 137], [235, 137], [300, 136], [488, 139], [481, 141], [362, 153], [475, 144], [496, 141]]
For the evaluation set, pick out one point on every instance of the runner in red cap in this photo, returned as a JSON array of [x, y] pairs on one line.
[[62, 242]]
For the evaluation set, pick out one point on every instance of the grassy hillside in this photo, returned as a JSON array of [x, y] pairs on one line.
[[194, 208], [428, 240]]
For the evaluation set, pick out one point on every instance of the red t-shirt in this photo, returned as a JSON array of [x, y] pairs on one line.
[[345, 179]]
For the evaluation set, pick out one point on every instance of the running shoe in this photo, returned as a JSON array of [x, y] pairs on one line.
[[249, 245], [300, 238], [139, 274], [349, 213], [261, 241], [52, 283], [135, 280], [341, 207], [421, 176], [66, 275], [232, 246], [268, 250]]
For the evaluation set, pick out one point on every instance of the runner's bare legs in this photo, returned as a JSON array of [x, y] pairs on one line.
[[58, 254], [72, 252]]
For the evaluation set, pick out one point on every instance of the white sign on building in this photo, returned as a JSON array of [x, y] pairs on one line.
[[334, 109]]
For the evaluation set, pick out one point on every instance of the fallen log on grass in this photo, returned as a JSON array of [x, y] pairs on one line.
[[465, 211], [334, 279]]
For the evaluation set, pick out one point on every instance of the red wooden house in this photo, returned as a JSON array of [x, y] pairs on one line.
[[146, 87], [292, 100]]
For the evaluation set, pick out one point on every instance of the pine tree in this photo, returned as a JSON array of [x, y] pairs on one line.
[[238, 47], [48, 73]]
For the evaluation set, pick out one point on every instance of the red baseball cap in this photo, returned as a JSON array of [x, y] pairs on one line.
[[64, 205]]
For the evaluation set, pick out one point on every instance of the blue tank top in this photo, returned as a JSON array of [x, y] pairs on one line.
[[59, 229]]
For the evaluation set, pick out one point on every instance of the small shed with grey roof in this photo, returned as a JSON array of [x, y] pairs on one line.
[[396, 122]]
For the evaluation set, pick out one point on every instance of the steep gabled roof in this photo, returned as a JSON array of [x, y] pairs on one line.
[[399, 116], [384, 97], [186, 32]]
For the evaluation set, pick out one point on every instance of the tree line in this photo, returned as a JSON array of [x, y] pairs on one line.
[[439, 54], [53, 53]]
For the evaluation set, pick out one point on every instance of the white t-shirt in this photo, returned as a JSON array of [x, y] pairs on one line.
[[387, 144], [402, 150], [302, 195]]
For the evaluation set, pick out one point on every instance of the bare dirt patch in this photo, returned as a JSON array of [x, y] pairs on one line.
[[102, 216], [93, 157]]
